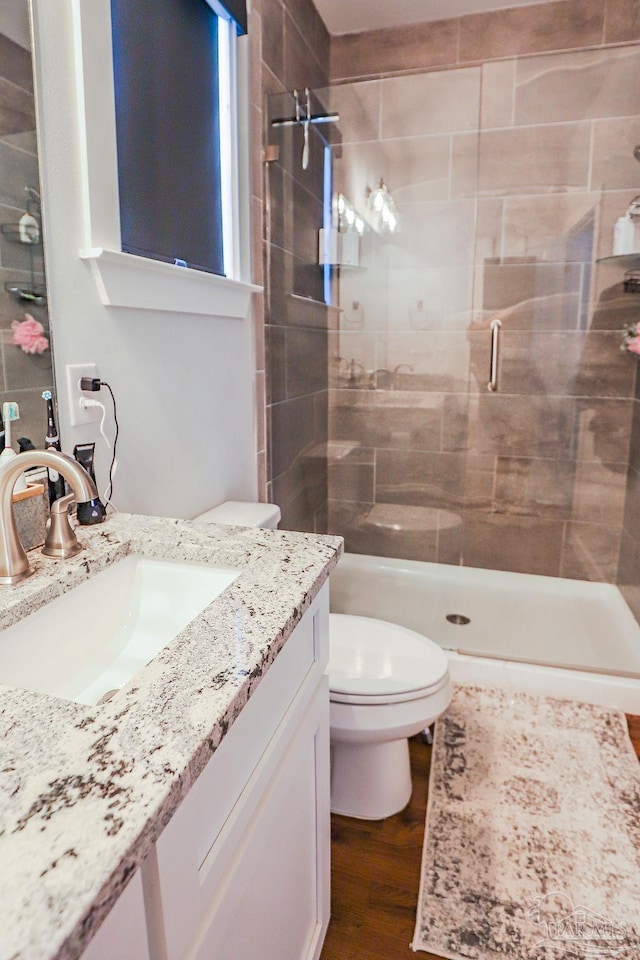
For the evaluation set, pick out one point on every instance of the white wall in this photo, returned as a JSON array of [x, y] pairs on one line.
[[184, 385]]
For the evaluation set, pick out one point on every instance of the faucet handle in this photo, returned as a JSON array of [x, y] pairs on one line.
[[60, 541]]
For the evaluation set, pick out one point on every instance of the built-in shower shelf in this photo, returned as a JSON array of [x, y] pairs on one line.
[[628, 261]]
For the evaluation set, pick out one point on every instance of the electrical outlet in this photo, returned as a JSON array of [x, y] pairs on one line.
[[77, 414]]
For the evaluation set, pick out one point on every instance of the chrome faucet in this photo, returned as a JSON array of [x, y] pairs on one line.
[[60, 539], [397, 371]]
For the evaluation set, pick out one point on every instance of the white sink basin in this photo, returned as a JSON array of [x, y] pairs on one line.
[[94, 639]]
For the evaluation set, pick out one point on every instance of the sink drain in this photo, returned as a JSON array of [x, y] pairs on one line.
[[458, 618]]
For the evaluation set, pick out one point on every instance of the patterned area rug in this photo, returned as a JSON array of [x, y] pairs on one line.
[[532, 848]]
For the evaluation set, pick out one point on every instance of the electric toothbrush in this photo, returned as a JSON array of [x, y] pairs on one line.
[[11, 411]]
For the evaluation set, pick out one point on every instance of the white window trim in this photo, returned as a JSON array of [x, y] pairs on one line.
[[119, 276]]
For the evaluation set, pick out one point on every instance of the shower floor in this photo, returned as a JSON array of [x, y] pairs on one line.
[[511, 616]]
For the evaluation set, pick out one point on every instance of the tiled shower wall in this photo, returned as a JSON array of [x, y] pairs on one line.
[[23, 376], [290, 50], [509, 178]]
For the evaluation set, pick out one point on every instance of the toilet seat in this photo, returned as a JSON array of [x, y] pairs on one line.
[[375, 662]]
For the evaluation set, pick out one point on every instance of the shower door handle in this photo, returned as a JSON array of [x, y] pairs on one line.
[[496, 327]]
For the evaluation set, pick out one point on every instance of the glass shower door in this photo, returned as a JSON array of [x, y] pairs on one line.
[[407, 166]]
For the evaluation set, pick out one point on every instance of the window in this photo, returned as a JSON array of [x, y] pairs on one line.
[[174, 69]]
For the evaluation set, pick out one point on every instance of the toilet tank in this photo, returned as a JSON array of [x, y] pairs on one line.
[[243, 514]]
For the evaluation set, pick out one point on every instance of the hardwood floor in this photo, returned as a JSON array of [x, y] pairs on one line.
[[375, 868]]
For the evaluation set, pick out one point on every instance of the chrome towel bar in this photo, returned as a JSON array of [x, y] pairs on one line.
[[496, 326]]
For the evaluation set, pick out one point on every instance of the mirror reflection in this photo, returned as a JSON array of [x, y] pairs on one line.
[[25, 341]]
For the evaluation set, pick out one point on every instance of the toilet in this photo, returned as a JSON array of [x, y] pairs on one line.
[[243, 513], [386, 683]]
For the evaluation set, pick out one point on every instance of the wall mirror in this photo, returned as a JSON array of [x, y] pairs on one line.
[[26, 368]]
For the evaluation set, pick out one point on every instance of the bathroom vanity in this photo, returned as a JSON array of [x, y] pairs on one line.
[[188, 816]]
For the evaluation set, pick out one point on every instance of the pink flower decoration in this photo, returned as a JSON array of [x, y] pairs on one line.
[[633, 345], [28, 334]]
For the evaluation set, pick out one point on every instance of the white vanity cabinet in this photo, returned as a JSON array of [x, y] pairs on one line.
[[123, 935], [242, 869]]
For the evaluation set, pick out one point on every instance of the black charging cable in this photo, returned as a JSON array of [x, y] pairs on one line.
[[92, 385]]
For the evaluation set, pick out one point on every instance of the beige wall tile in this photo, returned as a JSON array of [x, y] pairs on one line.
[[525, 426], [592, 364], [531, 29], [498, 90], [572, 86], [390, 419], [614, 165], [359, 352], [420, 479], [309, 22], [301, 68], [272, 35], [357, 168], [599, 492], [534, 487], [603, 429], [409, 533], [634, 458], [441, 359], [351, 481], [444, 102], [455, 422], [489, 215], [537, 160], [520, 544], [433, 235], [464, 164], [307, 360], [542, 226], [479, 481], [364, 300], [416, 168], [359, 109], [622, 21], [388, 51], [438, 298], [591, 552]]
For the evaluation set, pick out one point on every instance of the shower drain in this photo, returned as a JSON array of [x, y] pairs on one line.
[[458, 618]]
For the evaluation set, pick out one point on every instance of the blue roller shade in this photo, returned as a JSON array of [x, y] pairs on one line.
[[167, 125]]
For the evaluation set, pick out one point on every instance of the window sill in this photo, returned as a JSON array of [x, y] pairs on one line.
[[124, 280]]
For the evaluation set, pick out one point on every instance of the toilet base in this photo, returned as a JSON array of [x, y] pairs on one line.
[[370, 781]]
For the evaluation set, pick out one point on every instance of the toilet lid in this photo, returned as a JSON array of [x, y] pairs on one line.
[[375, 658]]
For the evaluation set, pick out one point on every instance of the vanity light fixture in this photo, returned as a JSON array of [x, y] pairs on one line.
[[382, 204]]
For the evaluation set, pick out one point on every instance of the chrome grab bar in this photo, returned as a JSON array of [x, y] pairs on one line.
[[496, 326]]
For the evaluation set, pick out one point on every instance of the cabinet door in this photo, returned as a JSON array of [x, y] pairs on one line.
[[272, 897], [194, 855], [123, 935]]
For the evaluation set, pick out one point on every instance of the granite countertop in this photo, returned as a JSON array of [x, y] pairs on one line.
[[85, 791]]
